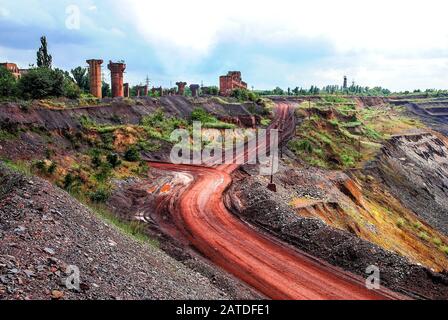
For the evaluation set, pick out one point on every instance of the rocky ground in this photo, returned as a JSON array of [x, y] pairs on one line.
[[43, 231], [254, 203]]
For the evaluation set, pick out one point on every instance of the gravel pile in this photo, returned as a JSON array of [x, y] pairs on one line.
[[46, 236]]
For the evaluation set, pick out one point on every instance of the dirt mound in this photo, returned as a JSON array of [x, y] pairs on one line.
[[43, 231]]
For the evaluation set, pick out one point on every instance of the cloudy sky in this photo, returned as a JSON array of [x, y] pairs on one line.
[[401, 45]]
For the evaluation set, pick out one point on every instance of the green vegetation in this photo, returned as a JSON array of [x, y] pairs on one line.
[[337, 135], [212, 91], [40, 83], [401, 223], [328, 90], [81, 77], [44, 59], [133, 229], [8, 83], [94, 201], [423, 235], [158, 126], [209, 121], [444, 249], [132, 154], [437, 241], [18, 166], [245, 95], [6, 135]]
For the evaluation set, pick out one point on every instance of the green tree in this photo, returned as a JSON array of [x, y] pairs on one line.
[[7, 83], [113, 160], [106, 89], [81, 78], [71, 89], [41, 83], [278, 91], [44, 59], [240, 94], [132, 154]]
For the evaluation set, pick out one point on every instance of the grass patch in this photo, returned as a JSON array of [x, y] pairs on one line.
[[334, 134], [7, 136], [423, 235], [133, 229], [18, 166], [444, 249]]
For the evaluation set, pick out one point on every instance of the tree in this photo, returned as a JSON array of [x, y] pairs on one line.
[[240, 94], [132, 154], [106, 89], [44, 60], [41, 83], [81, 77], [278, 91], [71, 89], [7, 83], [113, 160]]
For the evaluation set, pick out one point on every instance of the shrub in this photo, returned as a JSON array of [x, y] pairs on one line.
[[113, 160], [302, 145], [96, 158], [68, 181], [104, 173], [444, 249], [100, 195], [202, 116], [213, 91], [40, 83], [400, 223], [423, 235], [240, 94], [132, 154], [437, 241], [7, 83], [71, 89], [52, 168]]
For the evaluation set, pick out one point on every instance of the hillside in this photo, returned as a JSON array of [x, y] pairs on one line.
[[345, 194]]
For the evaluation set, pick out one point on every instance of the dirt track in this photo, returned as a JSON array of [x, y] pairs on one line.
[[273, 268]]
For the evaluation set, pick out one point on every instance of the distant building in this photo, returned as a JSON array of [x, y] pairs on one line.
[[14, 69], [230, 82]]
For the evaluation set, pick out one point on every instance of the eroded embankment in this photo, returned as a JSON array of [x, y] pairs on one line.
[[121, 112], [252, 202], [415, 168]]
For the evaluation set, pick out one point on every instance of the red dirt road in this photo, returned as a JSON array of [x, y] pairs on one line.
[[270, 266]]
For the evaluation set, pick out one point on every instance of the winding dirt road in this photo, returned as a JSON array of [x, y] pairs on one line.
[[270, 266]]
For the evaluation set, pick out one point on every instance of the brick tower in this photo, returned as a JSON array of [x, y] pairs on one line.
[[116, 73], [95, 77], [181, 88]]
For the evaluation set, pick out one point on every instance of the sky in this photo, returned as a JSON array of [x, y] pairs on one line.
[[400, 45]]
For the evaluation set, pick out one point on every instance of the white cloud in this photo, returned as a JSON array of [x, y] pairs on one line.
[[395, 43], [348, 24], [4, 12]]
